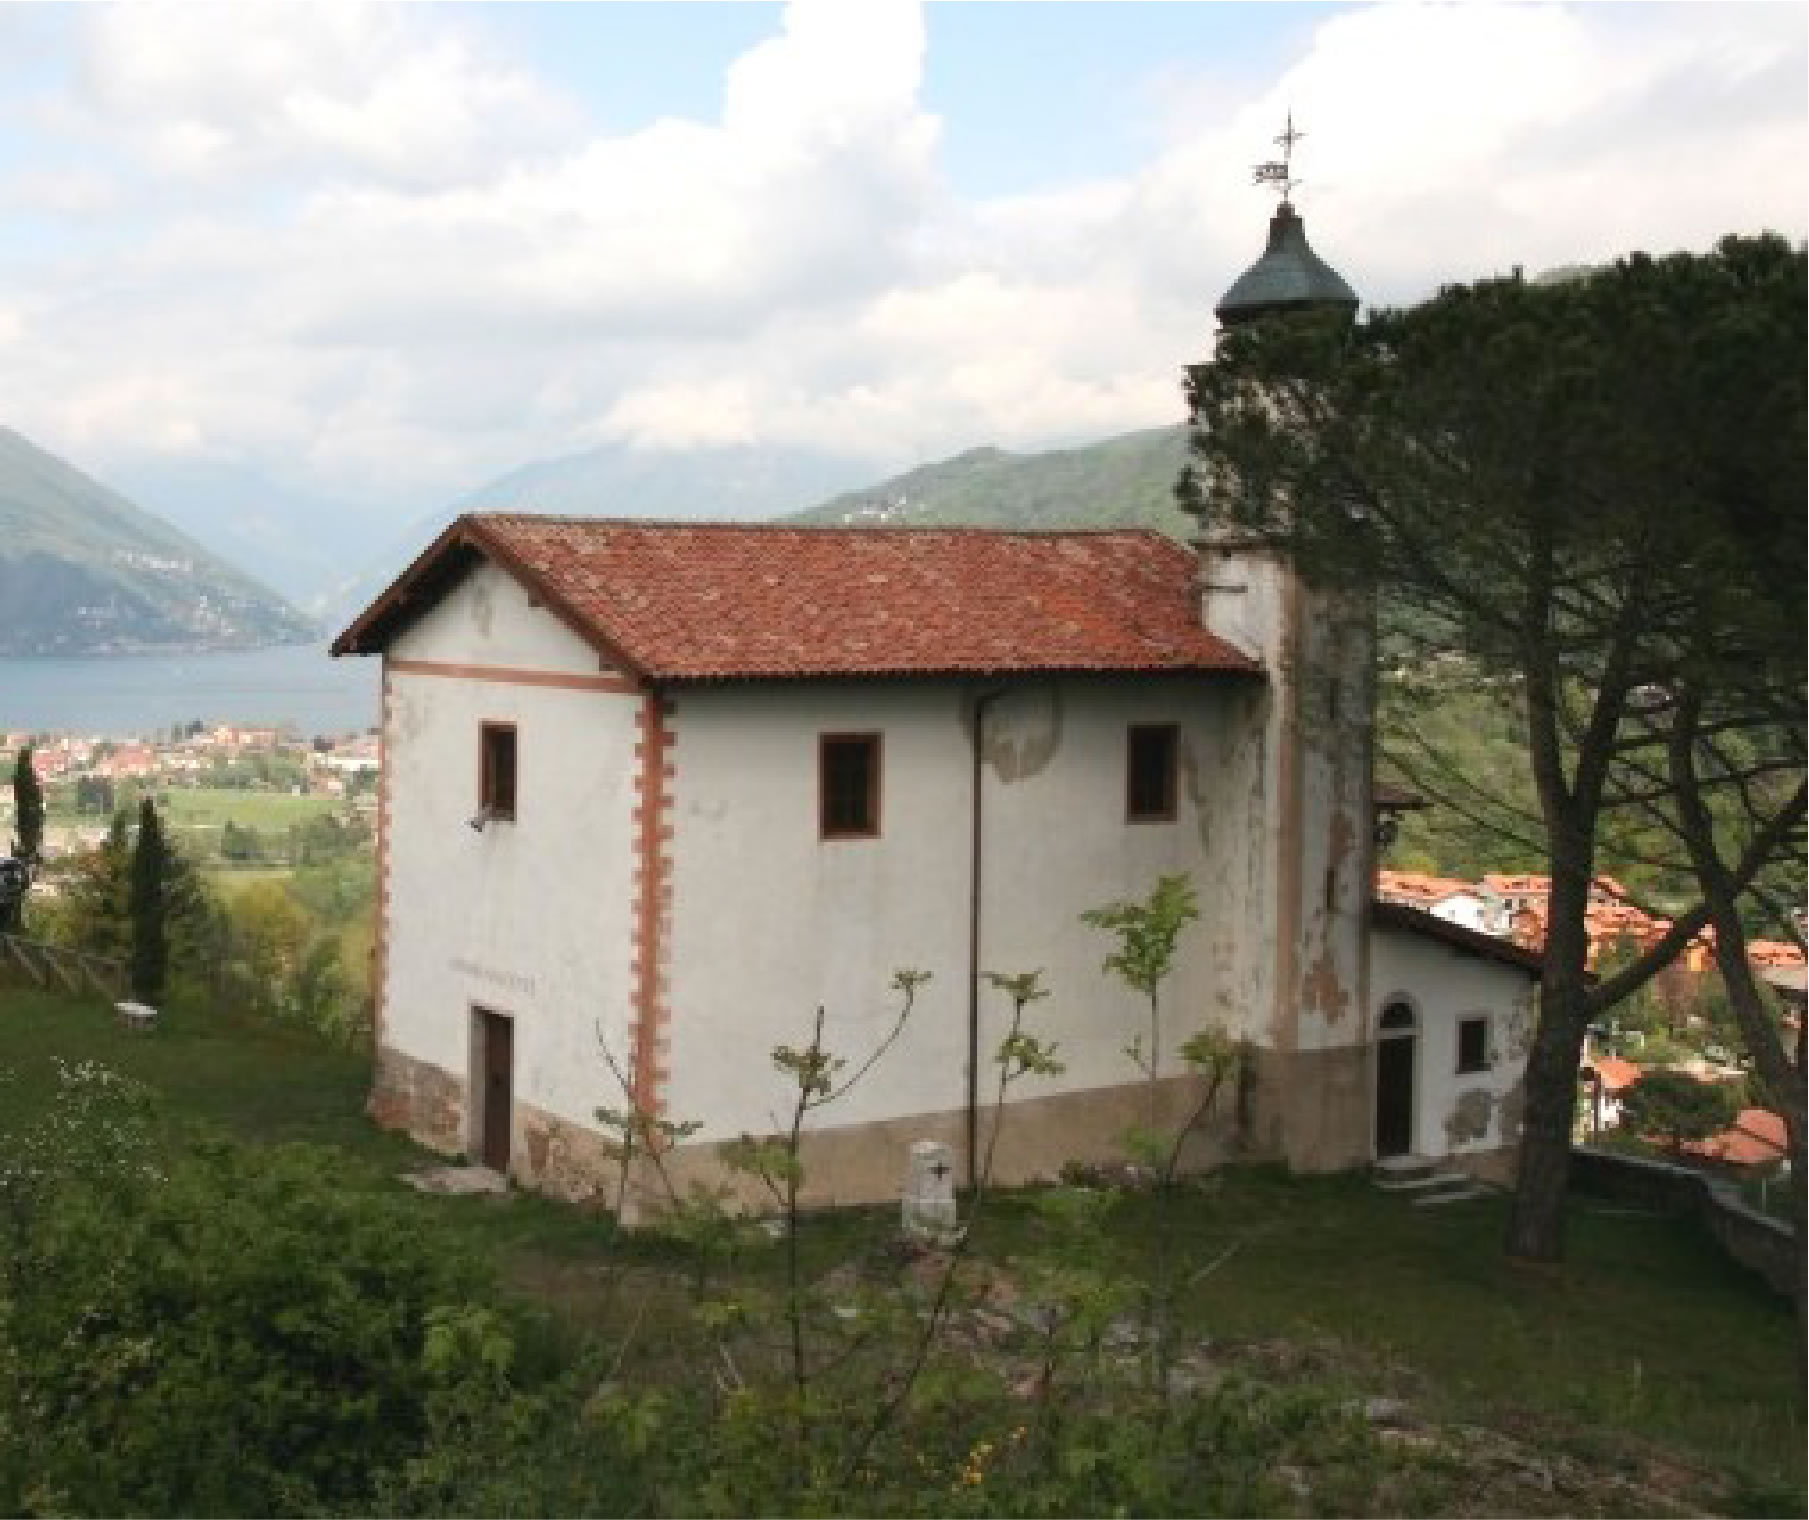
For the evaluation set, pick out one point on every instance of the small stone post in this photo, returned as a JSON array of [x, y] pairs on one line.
[[927, 1215]]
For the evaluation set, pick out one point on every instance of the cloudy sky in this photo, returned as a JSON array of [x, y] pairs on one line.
[[392, 251]]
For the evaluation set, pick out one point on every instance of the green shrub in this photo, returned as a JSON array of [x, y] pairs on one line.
[[240, 1335]]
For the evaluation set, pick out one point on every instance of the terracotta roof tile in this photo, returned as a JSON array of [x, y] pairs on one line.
[[1616, 1074], [1757, 1138], [686, 601], [1416, 887]]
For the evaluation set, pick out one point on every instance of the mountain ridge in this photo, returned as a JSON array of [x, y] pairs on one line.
[[85, 571], [1124, 481]]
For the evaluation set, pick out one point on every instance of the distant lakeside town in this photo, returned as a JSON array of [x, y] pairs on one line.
[[87, 777]]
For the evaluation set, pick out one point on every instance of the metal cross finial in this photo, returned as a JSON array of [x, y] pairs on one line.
[[1280, 172]]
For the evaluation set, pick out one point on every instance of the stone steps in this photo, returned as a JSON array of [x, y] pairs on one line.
[[1420, 1181], [1470, 1189]]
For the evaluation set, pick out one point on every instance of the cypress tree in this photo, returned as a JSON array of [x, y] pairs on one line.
[[150, 907], [28, 807]]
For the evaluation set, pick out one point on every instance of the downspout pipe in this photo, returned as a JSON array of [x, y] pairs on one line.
[[976, 881]]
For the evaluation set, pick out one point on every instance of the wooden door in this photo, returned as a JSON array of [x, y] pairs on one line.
[[496, 1110], [1394, 1094]]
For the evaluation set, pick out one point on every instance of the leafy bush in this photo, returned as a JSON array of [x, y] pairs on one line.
[[238, 1335], [1677, 1107]]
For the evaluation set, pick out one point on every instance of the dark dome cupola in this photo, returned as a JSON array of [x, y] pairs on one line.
[[1289, 276]]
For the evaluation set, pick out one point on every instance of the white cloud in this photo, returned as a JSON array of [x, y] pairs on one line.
[[368, 249], [212, 90]]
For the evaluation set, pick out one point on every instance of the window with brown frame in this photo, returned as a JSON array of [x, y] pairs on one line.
[[1473, 1044], [1152, 752], [496, 770], [848, 785]]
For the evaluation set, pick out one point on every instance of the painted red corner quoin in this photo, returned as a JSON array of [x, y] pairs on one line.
[[653, 901], [380, 951]]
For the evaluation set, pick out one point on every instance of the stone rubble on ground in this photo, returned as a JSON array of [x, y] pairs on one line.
[[457, 1181]]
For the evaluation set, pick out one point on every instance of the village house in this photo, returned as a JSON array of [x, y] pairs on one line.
[[1446, 897], [665, 790]]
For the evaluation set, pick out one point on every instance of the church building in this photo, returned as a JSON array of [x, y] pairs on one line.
[[653, 794]]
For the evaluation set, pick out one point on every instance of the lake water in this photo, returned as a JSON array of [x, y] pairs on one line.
[[127, 695]]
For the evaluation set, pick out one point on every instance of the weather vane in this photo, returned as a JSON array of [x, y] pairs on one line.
[[1280, 172]]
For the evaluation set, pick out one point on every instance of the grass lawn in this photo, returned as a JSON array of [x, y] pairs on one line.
[[229, 881], [1647, 1350], [214, 807]]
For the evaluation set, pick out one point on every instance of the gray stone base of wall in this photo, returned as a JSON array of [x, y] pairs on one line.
[[1309, 1110], [547, 1153], [1496, 1166], [1753, 1239]]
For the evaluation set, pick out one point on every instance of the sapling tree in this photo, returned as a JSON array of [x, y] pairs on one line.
[[1020, 1054], [1147, 933], [1216, 1060], [776, 1161]]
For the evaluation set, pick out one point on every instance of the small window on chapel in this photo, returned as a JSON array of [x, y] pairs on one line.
[[848, 785], [496, 770], [1150, 772], [1472, 1045]]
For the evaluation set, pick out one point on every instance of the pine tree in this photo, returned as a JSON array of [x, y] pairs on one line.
[[1591, 492]]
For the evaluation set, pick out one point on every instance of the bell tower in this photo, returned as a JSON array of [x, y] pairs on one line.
[[1309, 847]]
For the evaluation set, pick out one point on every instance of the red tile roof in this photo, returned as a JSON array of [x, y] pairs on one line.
[[1616, 1075], [1757, 1138], [1417, 889], [688, 601], [1773, 952]]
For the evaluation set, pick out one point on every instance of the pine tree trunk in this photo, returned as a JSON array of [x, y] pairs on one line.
[[1536, 1223]]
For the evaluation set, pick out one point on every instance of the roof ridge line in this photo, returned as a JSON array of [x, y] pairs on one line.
[[866, 531]]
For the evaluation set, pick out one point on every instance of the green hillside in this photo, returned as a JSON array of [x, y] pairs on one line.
[[1127, 481], [84, 571]]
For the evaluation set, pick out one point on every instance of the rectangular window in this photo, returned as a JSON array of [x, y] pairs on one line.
[[1150, 771], [848, 785], [496, 770], [1472, 1045]]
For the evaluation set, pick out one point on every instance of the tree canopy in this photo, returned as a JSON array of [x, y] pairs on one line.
[[1590, 493]]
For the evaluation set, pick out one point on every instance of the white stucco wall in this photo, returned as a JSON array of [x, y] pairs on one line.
[[529, 918], [1310, 776], [1326, 667], [1467, 909], [1444, 985], [768, 921], [489, 619]]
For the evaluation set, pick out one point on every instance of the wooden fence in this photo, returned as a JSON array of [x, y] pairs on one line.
[[76, 970]]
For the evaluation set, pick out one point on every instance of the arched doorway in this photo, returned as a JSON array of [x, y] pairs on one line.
[[1395, 1042]]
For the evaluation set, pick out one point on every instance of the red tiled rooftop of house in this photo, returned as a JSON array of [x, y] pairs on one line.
[[1418, 887], [1756, 1138], [685, 601], [1774, 952], [1616, 1074]]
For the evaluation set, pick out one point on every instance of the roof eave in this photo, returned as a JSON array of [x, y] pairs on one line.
[[372, 631], [1469, 941], [953, 673]]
